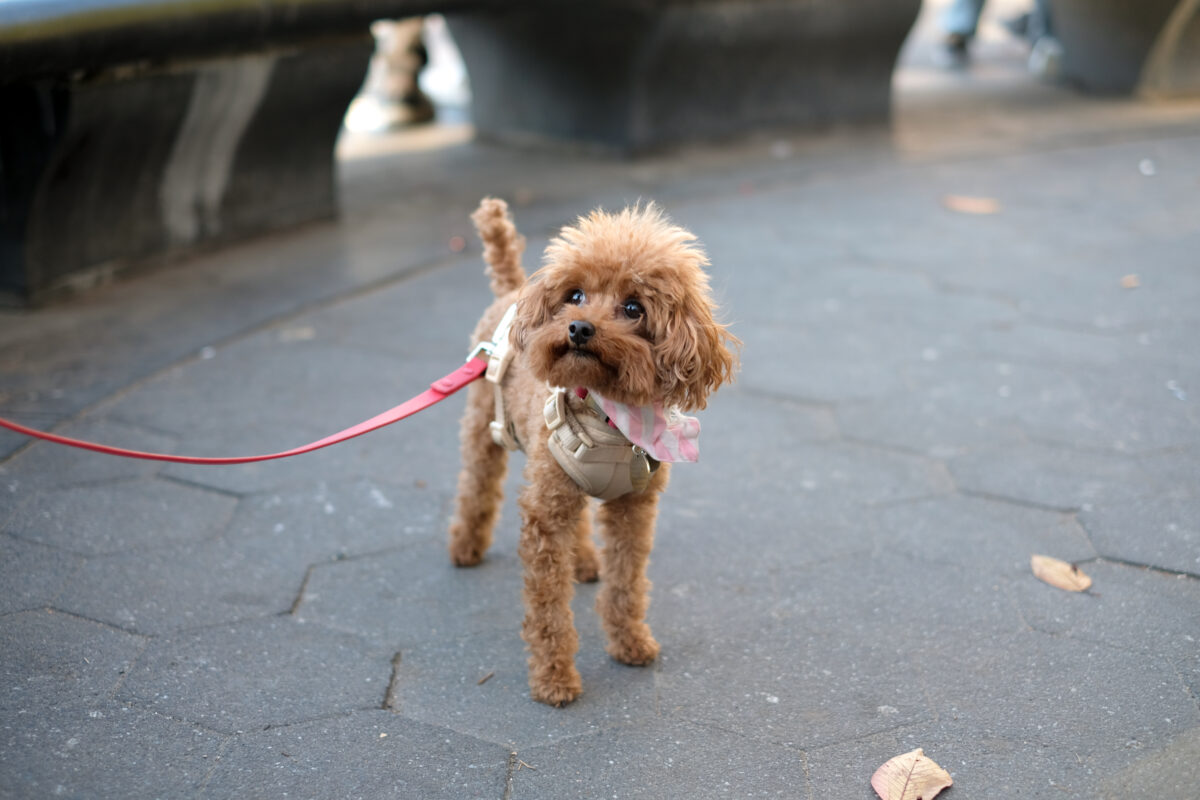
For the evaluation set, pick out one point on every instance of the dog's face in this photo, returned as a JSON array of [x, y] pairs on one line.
[[622, 307]]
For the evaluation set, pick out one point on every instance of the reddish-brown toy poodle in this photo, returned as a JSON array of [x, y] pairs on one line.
[[620, 311]]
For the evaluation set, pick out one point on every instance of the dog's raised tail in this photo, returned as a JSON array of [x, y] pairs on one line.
[[502, 245]]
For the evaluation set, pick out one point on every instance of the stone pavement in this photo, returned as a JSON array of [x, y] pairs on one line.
[[928, 397]]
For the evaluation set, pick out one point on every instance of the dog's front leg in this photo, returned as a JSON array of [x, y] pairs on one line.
[[627, 525], [551, 507]]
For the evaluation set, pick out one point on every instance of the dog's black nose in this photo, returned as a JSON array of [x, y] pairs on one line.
[[581, 331]]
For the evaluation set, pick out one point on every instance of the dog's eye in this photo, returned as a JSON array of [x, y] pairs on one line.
[[576, 297], [633, 309]]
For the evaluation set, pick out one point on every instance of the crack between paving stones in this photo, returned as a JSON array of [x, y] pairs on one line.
[[1121, 562], [897, 450], [1016, 501], [190, 723], [110, 626], [784, 399], [391, 699], [112, 695], [216, 762], [1187, 688], [1106, 452], [509, 774], [189, 483], [1150, 654], [303, 589]]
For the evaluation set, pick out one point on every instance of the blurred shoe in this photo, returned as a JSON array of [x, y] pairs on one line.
[[953, 53]]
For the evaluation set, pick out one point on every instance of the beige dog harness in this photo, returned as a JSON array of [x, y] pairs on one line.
[[597, 456]]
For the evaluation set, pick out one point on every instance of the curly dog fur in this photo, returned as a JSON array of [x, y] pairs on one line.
[[639, 281]]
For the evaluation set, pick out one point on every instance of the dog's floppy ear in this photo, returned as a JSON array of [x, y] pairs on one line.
[[696, 354], [535, 307]]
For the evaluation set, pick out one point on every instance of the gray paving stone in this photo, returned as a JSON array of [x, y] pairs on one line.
[[255, 568], [444, 681], [367, 754], [1028, 342], [829, 652], [951, 407], [1050, 476], [992, 538], [50, 659], [796, 689], [1171, 772], [397, 320], [187, 586], [107, 752], [811, 366], [252, 675], [332, 519], [657, 760], [120, 517], [1127, 607], [1090, 707], [1158, 531], [409, 595], [1132, 411], [32, 575], [822, 473]]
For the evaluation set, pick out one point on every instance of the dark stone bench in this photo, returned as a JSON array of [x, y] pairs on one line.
[[1125, 46], [134, 131]]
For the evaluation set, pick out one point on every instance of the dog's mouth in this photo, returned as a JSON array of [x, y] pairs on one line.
[[581, 352], [576, 352], [581, 363]]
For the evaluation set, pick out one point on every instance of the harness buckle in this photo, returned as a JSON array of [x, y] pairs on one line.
[[482, 349]]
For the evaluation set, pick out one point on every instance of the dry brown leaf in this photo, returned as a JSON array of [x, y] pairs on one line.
[[1131, 281], [912, 776], [964, 204], [1060, 574]]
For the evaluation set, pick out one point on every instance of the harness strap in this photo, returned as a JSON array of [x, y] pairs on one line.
[[501, 355]]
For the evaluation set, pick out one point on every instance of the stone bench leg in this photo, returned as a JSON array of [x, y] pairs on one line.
[[141, 164], [1124, 46], [639, 78]]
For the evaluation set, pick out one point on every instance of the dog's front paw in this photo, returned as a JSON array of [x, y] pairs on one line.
[[635, 649], [587, 567], [465, 557], [464, 552], [557, 691]]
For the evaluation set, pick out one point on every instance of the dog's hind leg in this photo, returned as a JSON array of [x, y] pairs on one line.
[[480, 481], [627, 526]]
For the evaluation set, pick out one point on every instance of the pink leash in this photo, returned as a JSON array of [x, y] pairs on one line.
[[439, 390]]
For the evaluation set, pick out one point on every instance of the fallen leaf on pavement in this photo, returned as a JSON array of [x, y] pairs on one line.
[[964, 204], [1060, 574], [912, 776]]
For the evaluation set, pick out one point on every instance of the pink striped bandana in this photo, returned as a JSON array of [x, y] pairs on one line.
[[666, 434]]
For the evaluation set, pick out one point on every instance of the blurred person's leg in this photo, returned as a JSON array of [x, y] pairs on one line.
[[391, 97], [960, 20]]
